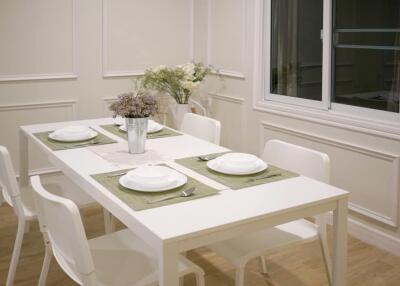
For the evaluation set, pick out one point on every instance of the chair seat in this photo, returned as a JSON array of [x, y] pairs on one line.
[[58, 185], [121, 258], [241, 249]]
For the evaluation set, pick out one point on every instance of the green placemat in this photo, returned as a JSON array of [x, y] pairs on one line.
[[100, 139], [236, 182], [140, 200], [165, 132]]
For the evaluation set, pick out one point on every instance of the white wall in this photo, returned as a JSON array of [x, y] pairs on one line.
[[62, 59], [367, 165]]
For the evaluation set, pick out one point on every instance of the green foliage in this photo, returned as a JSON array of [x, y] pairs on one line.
[[179, 81]]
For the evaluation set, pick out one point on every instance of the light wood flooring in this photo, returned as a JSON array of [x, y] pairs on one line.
[[296, 266]]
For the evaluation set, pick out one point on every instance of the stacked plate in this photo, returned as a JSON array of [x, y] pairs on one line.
[[152, 126], [237, 164], [153, 179], [73, 134]]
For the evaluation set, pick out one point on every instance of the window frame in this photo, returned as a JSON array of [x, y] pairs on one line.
[[358, 117]]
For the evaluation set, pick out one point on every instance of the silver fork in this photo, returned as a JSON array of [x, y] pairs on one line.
[[183, 194], [264, 177], [91, 142]]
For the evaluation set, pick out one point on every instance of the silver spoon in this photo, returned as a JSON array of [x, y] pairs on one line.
[[117, 175], [183, 194], [207, 158]]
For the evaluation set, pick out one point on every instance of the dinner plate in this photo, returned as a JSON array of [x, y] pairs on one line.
[[152, 127], [73, 134], [237, 164], [153, 179]]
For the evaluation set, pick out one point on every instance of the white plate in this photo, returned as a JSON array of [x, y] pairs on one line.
[[218, 166], [73, 134], [143, 179], [152, 127]]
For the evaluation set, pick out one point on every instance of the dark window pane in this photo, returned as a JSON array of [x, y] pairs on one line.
[[367, 14], [367, 78], [296, 49], [366, 54]]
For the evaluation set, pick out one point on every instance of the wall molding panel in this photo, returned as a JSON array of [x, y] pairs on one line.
[[42, 105], [227, 98], [239, 74], [136, 72], [53, 76], [393, 159], [106, 104]]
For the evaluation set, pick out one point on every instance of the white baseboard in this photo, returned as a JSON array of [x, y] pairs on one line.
[[371, 235]]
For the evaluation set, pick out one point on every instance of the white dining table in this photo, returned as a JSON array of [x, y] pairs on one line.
[[180, 227]]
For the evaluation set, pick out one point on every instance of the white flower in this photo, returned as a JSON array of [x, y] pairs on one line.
[[190, 85], [188, 68], [158, 68]]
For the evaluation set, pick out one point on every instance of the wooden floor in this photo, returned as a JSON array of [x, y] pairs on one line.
[[297, 266]]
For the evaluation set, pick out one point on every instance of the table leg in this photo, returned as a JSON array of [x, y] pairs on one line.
[[23, 159], [339, 271], [168, 266]]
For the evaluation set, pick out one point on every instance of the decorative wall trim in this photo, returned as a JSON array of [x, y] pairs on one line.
[[389, 157], [137, 72], [227, 98], [222, 71], [386, 130], [106, 103], [51, 76], [42, 105]]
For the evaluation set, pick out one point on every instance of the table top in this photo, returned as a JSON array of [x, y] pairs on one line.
[[182, 220]]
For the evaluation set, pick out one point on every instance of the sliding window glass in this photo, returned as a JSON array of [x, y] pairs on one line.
[[366, 53], [296, 48]]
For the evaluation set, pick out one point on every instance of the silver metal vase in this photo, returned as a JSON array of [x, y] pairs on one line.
[[137, 133]]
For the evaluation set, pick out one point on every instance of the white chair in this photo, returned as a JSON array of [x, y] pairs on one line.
[[21, 200], [202, 127], [241, 250], [119, 258]]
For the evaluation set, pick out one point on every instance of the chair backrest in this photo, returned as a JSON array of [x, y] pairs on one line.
[[301, 160], [8, 182], [202, 127], [61, 223]]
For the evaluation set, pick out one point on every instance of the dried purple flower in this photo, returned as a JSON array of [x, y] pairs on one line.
[[131, 105]]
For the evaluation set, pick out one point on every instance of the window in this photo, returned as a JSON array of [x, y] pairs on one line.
[[334, 54], [296, 48]]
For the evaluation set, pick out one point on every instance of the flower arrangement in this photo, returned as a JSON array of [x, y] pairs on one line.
[[134, 105], [179, 81]]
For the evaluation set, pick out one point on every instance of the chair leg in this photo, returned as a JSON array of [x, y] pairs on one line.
[[27, 226], [113, 223], [46, 264], [263, 264], [327, 258], [109, 221], [239, 276], [181, 280], [16, 252], [200, 279]]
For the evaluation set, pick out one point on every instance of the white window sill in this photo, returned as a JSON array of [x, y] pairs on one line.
[[380, 128]]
